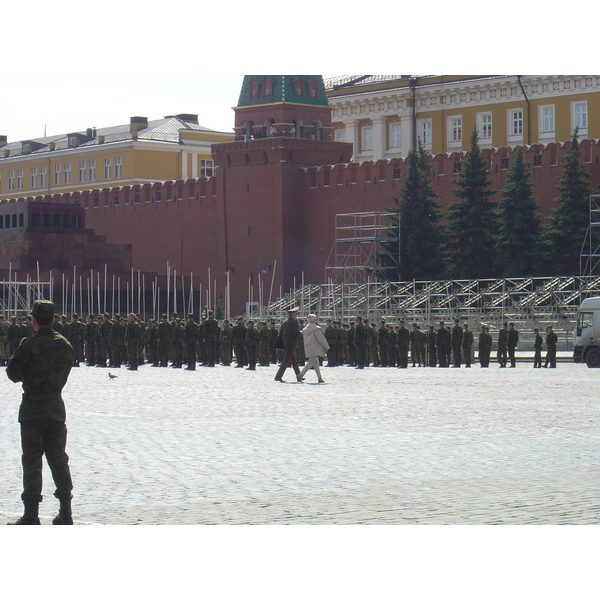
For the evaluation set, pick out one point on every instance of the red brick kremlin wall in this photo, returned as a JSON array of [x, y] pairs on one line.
[[269, 206]]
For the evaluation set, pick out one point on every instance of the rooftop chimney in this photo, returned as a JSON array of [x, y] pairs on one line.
[[188, 118], [138, 123]]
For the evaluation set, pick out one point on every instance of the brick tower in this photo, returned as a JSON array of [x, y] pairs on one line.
[[282, 126]]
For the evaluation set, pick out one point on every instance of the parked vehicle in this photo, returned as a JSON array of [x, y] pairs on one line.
[[586, 345]]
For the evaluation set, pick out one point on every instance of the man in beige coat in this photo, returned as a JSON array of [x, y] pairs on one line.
[[315, 346]]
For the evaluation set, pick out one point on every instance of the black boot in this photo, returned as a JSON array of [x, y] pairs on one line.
[[64, 516], [30, 516]]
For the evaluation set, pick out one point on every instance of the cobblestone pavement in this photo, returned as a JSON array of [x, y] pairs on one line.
[[378, 446]]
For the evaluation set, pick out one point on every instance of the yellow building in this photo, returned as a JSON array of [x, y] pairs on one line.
[[383, 116], [143, 151]]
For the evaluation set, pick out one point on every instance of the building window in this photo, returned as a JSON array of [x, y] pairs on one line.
[[107, 168], [579, 116], [19, 179], [547, 119], [537, 160], [367, 138], [67, 173], [33, 177], [396, 173], [395, 135], [424, 129], [455, 129], [116, 200], [207, 168], [56, 174], [157, 196], [457, 167], [340, 135], [504, 163], [96, 201], [516, 122], [91, 170], [485, 126], [81, 171], [11, 180], [43, 177], [118, 167], [136, 198]]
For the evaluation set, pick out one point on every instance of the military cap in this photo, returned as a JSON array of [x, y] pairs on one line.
[[294, 309], [190, 315], [43, 308]]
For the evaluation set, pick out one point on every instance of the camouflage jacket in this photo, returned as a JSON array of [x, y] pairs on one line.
[[42, 363]]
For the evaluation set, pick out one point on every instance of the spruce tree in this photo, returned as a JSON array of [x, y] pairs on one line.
[[412, 247], [471, 229], [569, 222], [517, 245]]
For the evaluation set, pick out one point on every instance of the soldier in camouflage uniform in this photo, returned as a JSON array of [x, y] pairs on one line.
[[164, 340], [238, 339], [403, 345], [104, 335], [133, 337], [4, 325], [152, 342], [190, 341], [76, 334], [251, 345], [225, 343], [264, 344], [42, 364], [211, 339], [177, 340], [115, 340], [89, 338]]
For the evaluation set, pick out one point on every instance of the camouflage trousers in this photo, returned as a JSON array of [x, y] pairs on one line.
[[49, 438]]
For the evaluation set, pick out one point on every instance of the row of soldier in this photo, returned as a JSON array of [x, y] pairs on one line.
[[112, 342]]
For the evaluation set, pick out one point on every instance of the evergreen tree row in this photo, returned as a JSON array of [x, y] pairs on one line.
[[483, 238]]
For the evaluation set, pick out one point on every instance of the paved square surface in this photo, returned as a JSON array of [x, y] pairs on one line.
[[378, 446]]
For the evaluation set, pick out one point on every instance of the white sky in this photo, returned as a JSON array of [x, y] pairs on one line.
[[66, 67]]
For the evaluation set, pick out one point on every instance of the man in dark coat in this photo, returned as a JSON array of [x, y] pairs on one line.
[[456, 339], [503, 345], [537, 347], [511, 344], [211, 339], [443, 344], [289, 334], [42, 364], [361, 340], [551, 341]]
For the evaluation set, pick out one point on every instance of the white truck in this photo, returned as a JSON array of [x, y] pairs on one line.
[[586, 345]]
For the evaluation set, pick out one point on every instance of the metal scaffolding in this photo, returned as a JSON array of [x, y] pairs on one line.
[[358, 241], [590, 251]]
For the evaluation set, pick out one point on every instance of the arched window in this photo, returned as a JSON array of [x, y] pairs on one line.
[[297, 131], [269, 127], [248, 130], [317, 127]]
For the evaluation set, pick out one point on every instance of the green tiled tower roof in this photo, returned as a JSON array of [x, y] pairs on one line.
[[273, 89]]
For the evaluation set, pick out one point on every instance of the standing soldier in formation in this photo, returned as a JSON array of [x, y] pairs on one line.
[[164, 340], [152, 342], [273, 334], [537, 349], [344, 344], [90, 340], [456, 340], [361, 339], [485, 346], [116, 339], [414, 346], [251, 345], [511, 344], [104, 333], [383, 341], [190, 341], [467, 345], [551, 341], [443, 345], [202, 355], [177, 334], [330, 337], [4, 356], [431, 341], [503, 345], [133, 334], [403, 346], [76, 335], [264, 344], [352, 345], [238, 339], [225, 343], [14, 335], [211, 339]]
